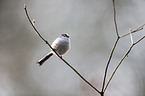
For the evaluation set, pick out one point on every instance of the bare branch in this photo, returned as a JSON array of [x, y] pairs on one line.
[[112, 51], [108, 63], [136, 30], [58, 54], [35, 27], [115, 22], [122, 61]]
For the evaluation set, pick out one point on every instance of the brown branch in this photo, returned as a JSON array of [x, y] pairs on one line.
[[115, 22], [108, 63], [58, 54], [122, 61], [112, 51], [118, 38], [134, 31]]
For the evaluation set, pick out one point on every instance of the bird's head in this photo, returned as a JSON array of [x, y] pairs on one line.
[[66, 35]]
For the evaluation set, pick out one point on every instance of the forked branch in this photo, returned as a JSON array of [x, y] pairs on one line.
[[129, 50], [112, 51]]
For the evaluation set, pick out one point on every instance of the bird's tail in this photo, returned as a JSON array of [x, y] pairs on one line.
[[41, 61]]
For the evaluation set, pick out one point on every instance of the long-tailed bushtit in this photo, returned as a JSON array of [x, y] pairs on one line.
[[60, 45]]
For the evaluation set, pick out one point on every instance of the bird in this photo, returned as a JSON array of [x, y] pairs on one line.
[[61, 45]]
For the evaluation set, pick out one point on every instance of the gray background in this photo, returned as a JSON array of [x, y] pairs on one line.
[[91, 28]]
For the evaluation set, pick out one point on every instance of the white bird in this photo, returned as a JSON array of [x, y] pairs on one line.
[[60, 45]]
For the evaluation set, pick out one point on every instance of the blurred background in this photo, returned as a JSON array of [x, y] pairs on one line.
[[92, 33]]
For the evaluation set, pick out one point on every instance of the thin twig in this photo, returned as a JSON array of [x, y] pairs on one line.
[[131, 36], [58, 54], [136, 30], [34, 26], [115, 22], [112, 51], [108, 63], [122, 61]]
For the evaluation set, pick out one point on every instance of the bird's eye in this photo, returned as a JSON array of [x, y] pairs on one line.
[[65, 35]]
